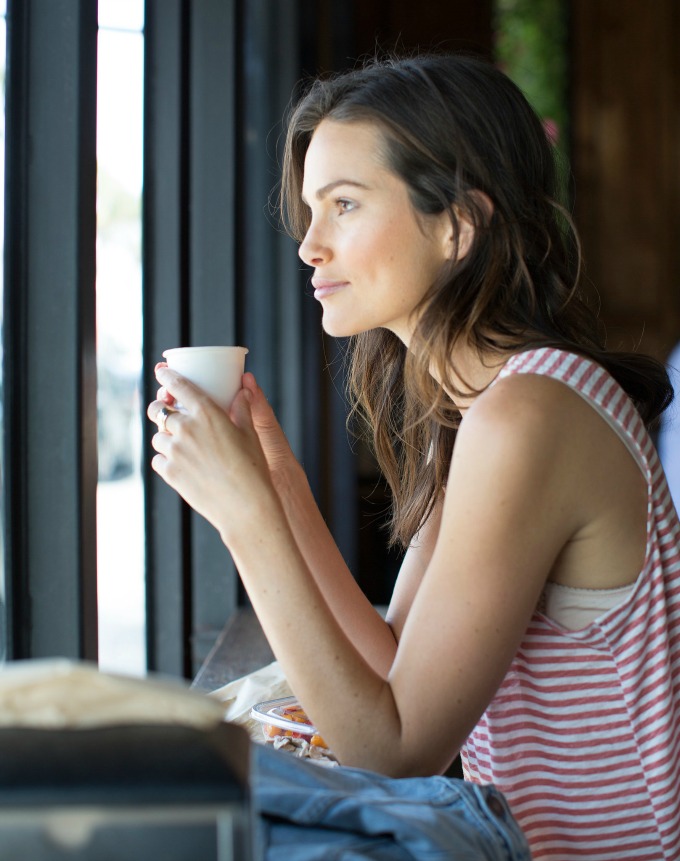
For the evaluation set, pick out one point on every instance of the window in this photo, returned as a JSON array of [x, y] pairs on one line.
[[120, 497], [215, 86]]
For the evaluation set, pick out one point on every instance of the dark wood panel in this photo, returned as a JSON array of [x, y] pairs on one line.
[[626, 148], [403, 24]]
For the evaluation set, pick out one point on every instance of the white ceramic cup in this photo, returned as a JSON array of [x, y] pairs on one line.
[[216, 370]]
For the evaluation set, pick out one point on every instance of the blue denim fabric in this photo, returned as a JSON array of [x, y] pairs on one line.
[[307, 812]]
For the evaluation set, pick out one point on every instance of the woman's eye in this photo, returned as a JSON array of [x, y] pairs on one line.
[[345, 205]]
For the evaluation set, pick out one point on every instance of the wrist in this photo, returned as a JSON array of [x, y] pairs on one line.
[[289, 480], [256, 511], [260, 542]]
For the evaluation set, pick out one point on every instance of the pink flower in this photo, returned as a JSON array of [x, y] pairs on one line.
[[552, 130]]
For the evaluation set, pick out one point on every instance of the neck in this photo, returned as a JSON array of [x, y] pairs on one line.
[[468, 373]]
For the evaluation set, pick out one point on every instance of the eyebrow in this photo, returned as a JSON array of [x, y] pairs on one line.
[[326, 189]]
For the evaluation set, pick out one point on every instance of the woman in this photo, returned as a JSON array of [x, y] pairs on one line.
[[533, 626]]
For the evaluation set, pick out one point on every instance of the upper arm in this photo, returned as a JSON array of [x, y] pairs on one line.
[[509, 510]]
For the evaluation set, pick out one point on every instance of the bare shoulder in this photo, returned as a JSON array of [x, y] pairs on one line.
[[532, 444], [546, 450], [524, 399], [537, 413], [523, 413]]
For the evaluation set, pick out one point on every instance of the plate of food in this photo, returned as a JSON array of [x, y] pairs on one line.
[[286, 726]]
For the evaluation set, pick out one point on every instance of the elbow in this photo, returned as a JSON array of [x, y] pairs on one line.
[[391, 761], [378, 739]]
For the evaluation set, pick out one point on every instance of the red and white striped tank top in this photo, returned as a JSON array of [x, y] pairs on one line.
[[583, 735]]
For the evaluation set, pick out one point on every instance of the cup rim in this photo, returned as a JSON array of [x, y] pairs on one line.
[[202, 349]]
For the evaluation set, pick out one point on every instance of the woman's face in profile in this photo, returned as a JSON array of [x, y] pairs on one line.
[[373, 257]]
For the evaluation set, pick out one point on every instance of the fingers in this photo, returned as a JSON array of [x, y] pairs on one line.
[[240, 411], [162, 395], [169, 425], [161, 442], [153, 410], [261, 410], [248, 382], [161, 466], [178, 388], [159, 413]]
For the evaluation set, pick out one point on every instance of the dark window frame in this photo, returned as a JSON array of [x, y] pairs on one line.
[[219, 75], [208, 175], [49, 359]]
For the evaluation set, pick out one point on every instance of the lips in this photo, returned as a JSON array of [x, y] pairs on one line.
[[325, 287]]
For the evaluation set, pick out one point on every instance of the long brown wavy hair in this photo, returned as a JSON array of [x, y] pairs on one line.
[[460, 134]]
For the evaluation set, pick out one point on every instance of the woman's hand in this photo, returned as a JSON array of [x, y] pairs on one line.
[[162, 394], [275, 446], [212, 458]]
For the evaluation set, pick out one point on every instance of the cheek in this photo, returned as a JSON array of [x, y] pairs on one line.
[[384, 252]]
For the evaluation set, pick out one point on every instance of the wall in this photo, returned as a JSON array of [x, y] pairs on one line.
[[626, 163]]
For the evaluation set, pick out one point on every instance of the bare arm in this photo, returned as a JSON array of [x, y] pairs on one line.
[[362, 624], [355, 614], [511, 505], [357, 617], [416, 561]]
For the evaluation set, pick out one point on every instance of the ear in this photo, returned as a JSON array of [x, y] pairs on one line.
[[477, 213]]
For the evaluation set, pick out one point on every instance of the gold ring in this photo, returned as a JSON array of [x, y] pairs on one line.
[[162, 418]]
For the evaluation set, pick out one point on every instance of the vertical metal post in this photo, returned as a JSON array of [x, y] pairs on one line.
[[212, 134], [217, 270], [49, 328], [165, 307]]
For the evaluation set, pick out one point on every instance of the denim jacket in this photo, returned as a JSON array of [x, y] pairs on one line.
[[308, 812]]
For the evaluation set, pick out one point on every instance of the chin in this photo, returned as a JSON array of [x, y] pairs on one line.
[[340, 328]]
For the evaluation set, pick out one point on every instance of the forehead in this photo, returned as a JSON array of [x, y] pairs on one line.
[[353, 150]]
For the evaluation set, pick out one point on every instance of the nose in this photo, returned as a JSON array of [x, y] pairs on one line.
[[313, 250]]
